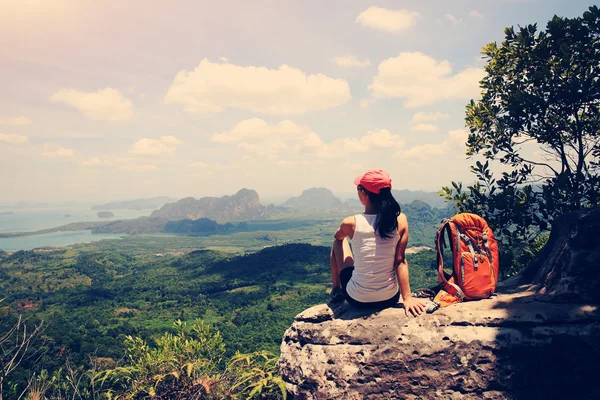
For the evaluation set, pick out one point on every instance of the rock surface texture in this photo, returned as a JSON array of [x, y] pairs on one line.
[[539, 340]]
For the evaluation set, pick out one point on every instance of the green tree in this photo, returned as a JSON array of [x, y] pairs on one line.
[[188, 364], [541, 93], [255, 375], [180, 365]]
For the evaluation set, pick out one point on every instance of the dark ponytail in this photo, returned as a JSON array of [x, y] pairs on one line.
[[388, 210]]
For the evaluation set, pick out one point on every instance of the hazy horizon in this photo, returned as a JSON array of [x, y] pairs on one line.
[[110, 100], [265, 200]]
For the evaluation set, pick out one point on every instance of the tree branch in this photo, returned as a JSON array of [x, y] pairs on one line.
[[538, 163], [524, 141]]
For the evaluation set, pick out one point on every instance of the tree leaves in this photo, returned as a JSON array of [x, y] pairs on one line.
[[188, 362], [542, 89]]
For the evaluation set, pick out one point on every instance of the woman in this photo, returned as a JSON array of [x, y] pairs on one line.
[[375, 271]]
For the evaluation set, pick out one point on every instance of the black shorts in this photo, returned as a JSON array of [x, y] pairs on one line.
[[345, 276]]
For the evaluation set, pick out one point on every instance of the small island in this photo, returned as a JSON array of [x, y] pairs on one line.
[[7, 213], [105, 214]]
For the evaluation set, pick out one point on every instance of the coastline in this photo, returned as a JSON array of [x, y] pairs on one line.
[[75, 226]]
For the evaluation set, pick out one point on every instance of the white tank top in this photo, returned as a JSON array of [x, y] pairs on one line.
[[374, 278]]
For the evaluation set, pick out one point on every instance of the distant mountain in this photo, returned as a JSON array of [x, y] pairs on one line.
[[354, 204], [316, 198], [244, 205], [405, 196], [153, 203], [133, 226]]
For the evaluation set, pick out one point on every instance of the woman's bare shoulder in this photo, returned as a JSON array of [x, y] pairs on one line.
[[402, 222], [349, 221], [346, 229], [402, 219]]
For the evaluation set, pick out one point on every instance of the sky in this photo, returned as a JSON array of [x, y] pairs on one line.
[[106, 100]]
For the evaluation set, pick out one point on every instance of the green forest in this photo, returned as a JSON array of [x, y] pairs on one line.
[[90, 301]]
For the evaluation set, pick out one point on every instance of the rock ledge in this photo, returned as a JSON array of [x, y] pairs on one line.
[[534, 341]]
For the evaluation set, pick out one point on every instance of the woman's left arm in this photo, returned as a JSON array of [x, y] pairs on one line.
[[411, 305]]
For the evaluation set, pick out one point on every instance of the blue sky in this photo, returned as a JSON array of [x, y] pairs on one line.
[[105, 99]]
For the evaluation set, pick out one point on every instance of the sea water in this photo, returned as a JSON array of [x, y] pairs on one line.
[[54, 239], [28, 220]]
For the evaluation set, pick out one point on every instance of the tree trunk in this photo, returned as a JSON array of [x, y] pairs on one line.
[[568, 267]]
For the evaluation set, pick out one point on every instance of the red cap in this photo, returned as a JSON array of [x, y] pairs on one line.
[[374, 180]]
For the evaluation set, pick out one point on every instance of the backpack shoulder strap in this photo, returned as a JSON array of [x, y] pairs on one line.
[[450, 287]]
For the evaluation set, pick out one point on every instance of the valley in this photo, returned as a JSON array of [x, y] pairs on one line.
[[247, 273]]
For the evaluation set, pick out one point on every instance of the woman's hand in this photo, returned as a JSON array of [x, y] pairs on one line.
[[413, 306]]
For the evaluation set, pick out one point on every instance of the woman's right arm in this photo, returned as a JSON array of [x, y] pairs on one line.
[[346, 229], [411, 305]]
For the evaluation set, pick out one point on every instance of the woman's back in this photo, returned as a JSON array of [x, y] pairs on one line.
[[375, 270], [374, 278]]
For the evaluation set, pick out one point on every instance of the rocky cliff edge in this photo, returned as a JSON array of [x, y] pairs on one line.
[[538, 339]]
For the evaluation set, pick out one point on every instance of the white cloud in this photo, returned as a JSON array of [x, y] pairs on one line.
[[104, 105], [212, 87], [257, 136], [428, 117], [56, 151], [424, 152], [287, 139], [475, 14], [170, 140], [13, 138], [418, 121], [422, 80], [138, 168], [382, 19], [350, 61], [256, 129], [380, 139], [166, 145], [455, 143], [425, 128], [15, 121], [95, 162], [458, 137], [366, 103], [452, 19], [198, 164]]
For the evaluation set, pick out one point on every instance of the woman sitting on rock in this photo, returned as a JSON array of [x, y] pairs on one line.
[[374, 272]]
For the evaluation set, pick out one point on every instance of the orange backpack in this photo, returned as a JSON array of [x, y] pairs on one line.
[[475, 258]]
